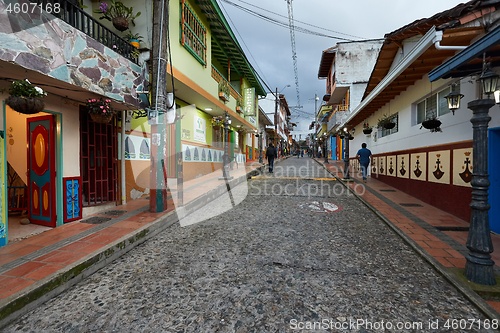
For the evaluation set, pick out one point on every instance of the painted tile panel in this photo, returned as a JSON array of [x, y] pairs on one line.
[[462, 167], [439, 165]]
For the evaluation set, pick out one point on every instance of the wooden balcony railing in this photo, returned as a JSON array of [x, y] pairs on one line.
[[217, 76]]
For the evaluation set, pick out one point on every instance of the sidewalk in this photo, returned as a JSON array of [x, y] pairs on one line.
[[436, 235], [35, 269]]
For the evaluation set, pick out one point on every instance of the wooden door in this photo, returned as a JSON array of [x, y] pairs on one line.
[[41, 171]]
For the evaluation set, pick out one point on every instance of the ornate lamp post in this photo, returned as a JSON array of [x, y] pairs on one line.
[[259, 136], [479, 265], [347, 137], [326, 148], [225, 157]]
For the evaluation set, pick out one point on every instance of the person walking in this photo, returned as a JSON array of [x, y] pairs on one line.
[[270, 155], [364, 156]]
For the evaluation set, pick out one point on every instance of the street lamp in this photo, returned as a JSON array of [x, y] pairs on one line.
[[225, 157], [453, 99], [479, 265]]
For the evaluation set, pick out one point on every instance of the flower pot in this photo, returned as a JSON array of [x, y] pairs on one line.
[[101, 118], [389, 125], [120, 23], [431, 123], [134, 42], [367, 131], [26, 105], [223, 96]]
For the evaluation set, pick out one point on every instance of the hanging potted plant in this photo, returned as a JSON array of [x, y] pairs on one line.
[[432, 123], [217, 121], [224, 90], [367, 129], [119, 14], [25, 97], [100, 110], [386, 122], [134, 39]]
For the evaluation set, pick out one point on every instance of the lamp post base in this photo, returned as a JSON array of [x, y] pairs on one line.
[[480, 270]]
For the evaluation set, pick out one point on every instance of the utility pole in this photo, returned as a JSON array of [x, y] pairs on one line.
[[276, 114], [158, 171]]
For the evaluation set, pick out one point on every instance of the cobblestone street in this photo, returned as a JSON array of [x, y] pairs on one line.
[[299, 253]]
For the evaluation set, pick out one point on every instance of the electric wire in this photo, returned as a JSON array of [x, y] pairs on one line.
[[285, 24], [305, 23]]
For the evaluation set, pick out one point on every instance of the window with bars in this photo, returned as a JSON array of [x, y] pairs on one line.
[[386, 131], [433, 106], [193, 33]]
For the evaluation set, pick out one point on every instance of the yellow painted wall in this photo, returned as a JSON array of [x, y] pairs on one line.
[[183, 60]]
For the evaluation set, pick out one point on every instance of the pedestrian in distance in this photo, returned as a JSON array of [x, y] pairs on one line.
[[364, 156], [270, 155]]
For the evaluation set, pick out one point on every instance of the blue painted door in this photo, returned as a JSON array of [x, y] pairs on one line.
[[494, 175], [41, 171]]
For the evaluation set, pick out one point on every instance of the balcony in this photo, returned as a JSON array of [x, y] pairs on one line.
[[72, 14]]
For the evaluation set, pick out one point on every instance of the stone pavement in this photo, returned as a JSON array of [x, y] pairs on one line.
[[37, 269], [438, 236]]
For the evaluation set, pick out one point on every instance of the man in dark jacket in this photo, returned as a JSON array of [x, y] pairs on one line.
[[270, 155]]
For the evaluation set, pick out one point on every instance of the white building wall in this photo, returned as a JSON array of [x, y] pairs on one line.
[[455, 128], [354, 61]]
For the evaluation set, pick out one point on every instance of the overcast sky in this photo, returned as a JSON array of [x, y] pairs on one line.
[[268, 45]]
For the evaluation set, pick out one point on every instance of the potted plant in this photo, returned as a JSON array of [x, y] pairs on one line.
[[134, 39], [367, 129], [25, 97], [239, 105], [433, 124], [224, 90], [100, 110], [119, 14], [386, 122], [217, 121]]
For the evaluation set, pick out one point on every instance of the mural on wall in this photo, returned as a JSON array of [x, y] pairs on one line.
[[381, 165], [375, 165], [193, 153], [439, 167], [418, 166], [391, 166], [403, 164], [462, 167], [72, 57], [134, 144]]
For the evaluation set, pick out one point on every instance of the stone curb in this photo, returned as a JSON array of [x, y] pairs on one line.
[[471, 295]]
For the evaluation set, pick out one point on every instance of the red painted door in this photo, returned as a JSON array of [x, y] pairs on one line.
[[41, 171]]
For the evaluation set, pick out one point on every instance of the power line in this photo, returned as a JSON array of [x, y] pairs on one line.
[[305, 23], [284, 24]]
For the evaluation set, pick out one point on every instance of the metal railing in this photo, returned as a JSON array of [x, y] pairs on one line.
[[71, 13]]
